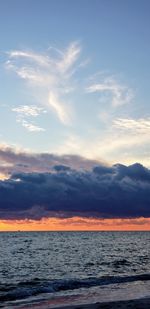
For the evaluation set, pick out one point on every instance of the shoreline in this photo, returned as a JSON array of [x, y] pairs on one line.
[[141, 303], [138, 303]]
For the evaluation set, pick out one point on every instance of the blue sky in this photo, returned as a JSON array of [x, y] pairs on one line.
[[74, 78]]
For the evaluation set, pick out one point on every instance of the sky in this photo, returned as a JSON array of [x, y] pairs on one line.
[[74, 114]]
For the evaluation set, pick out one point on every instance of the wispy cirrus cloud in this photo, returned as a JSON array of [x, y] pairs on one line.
[[50, 72], [25, 114], [141, 125], [40, 59], [29, 111], [111, 90], [62, 111], [69, 57], [31, 127]]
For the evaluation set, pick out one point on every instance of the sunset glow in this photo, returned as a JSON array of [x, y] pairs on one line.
[[76, 224]]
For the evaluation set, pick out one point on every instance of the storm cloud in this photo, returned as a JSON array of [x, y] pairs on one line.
[[102, 192]]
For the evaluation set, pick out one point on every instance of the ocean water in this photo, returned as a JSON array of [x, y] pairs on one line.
[[49, 269]]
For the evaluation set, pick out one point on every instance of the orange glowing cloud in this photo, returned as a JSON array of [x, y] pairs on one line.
[[76, 224]]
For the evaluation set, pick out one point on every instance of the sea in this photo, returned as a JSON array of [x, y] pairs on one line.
[[53, 269]]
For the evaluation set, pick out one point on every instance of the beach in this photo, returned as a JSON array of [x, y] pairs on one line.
[[132, 304], [142, 303]]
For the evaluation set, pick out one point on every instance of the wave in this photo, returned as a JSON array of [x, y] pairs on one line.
[[37, 286]]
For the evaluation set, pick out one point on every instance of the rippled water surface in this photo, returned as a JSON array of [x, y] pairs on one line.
[[40, 263]]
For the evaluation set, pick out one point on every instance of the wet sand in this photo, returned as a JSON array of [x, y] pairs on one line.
[[129, 304]]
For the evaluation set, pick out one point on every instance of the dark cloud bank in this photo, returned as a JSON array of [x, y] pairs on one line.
[[101, 192]]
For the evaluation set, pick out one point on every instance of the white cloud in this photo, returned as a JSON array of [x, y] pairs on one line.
[[27, 112], [50, 74], [69, 58], [31, 127], [141, 125], [40, 59], [59, 107], [117, 93]]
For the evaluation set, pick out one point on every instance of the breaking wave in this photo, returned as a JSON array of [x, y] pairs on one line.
[[37, 286]]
